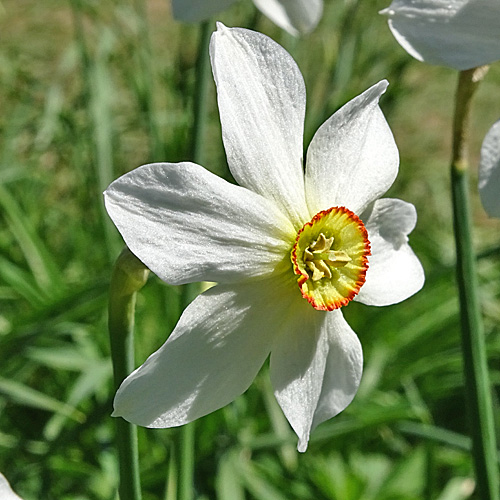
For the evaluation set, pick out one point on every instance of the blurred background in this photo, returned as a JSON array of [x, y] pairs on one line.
[[92, 89]]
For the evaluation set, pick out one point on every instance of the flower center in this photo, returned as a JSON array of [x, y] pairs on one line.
[[330, 258]]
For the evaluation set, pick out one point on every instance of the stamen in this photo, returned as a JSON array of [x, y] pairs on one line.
[[318, 254], [320, 262]]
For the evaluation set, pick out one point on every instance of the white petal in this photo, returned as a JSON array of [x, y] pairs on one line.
[[461, 34], [394, 271], [6, 492], [343, 370], [186, 224], [294, 16], [297, 366], [193, 11], [316, 367], [489, 171], [212, 356], [261, 98], [352, 159]]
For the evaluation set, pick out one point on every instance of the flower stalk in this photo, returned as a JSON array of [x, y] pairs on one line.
[[129, 276], [187, 434], [190, 290], [477, 385], [200, 92]]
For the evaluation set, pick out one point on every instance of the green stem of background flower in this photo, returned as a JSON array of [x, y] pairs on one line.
[[189, 291], [477, 385], [129, 276], [200, 93]]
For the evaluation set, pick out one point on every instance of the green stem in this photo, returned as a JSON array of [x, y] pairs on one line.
[[189, 291], [129, 276], [187, 433], [200, 93], [477, 385], [186, 474]]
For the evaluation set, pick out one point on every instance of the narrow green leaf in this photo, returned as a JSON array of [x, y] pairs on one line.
[[38, 257], [228, 484], [27, 396]]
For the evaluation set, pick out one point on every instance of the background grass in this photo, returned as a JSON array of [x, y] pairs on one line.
[[90, 90]]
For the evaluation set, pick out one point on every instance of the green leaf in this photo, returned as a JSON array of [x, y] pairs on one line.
[[26, 396]]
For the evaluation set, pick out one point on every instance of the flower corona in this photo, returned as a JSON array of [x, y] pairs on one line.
[[330, 257]]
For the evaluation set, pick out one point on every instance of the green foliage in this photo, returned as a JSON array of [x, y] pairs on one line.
[[91, 90]]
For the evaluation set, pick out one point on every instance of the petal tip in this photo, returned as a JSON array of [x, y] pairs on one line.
[[382, 85], [221, 27], [302, 445]]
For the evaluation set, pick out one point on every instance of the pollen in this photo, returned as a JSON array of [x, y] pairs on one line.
[[330, 258]]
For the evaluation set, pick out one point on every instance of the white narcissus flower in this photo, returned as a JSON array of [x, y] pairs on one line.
[[287, 249], [6, 492], [461, 34], [489, 171], [295, 16]]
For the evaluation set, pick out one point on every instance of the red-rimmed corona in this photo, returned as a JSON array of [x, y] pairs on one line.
[[330, 257]]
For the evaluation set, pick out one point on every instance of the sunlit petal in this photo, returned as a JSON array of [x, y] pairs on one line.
[[394, 271], [186, 224], [261, 98], [316, 368], [212, 356], [353, 159]]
